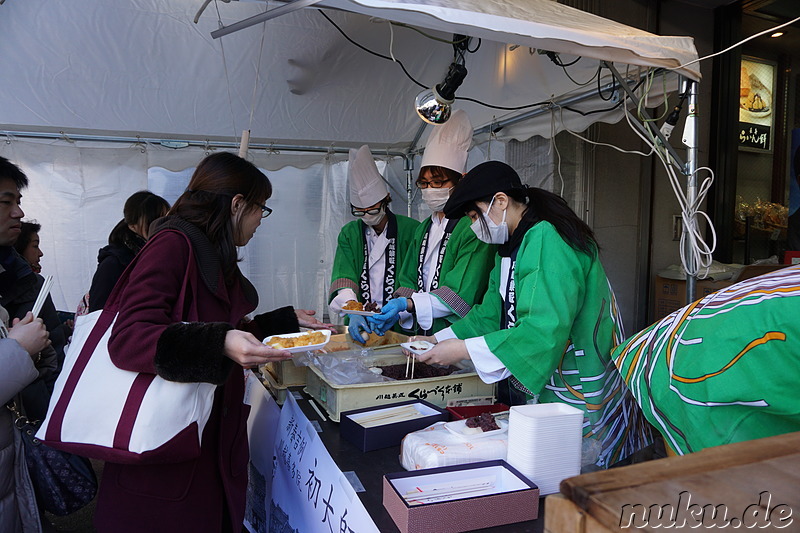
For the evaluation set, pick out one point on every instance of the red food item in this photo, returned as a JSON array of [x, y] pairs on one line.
[[371, 306], [485, 421]]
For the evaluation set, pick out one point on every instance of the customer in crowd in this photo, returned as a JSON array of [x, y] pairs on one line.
[[19, 357], [548, 321], [372, 249], [27, 245], [20, 287], [21, 364], [448, 267], [196, 244], [124, 242]]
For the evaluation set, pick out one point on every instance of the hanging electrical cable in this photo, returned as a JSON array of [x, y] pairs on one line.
[[460, 98], [696, 255]]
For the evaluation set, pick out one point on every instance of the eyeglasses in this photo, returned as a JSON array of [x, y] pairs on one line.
[[363, 212], [433, 184], [265, 211]]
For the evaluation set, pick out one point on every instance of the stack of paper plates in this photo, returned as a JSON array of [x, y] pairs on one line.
[[544, 443]]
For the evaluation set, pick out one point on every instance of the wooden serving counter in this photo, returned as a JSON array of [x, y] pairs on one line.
[[747, 485]]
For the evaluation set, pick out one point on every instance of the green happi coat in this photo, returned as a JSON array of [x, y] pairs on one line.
[[463, 276], [723, 369], [560, 344], [348, 262]]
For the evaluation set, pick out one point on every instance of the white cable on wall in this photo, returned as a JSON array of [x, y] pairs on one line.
[[691, 238], [697, 262]]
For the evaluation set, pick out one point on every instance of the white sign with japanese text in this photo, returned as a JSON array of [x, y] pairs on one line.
[[310, 493]]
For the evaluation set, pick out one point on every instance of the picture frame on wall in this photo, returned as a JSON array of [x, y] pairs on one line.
[[756, 104]]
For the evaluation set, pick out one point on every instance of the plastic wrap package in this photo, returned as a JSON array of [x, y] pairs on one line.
[[360, 365], [437, 446], [344, 368]]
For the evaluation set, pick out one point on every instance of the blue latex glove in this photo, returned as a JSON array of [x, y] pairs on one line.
[[390, 314], [358, 324]]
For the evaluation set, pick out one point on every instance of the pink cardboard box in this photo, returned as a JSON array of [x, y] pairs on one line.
[[512, 498]]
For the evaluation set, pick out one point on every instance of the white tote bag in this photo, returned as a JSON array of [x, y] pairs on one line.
[[101, 411]]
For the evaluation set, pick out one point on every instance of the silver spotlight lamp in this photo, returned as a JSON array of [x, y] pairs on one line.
[[433, 105]]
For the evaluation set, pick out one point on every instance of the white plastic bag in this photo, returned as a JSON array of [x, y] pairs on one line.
[[436, 446]]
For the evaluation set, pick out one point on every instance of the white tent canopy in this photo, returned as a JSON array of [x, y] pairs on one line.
[[143, 69], [542, 24]]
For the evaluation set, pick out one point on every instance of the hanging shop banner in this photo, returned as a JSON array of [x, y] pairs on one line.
[[310, 494], [756, 104]]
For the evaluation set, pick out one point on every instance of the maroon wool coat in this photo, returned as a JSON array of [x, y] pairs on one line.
[[199, 494]]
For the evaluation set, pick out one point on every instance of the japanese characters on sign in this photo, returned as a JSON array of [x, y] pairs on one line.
[[309, 492]]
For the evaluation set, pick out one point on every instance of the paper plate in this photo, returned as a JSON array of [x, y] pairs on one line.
[[297, 349], [459, 427], [417, 347], [359, 313]]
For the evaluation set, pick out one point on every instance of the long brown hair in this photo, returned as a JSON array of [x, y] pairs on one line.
[[206, 203]]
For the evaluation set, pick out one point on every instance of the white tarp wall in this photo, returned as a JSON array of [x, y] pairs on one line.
[[77, 193]]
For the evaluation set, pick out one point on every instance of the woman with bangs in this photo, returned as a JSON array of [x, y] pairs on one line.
[[447, 267], [181, 315], [548, 322]]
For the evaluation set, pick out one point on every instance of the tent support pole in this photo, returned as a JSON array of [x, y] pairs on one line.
[[690, 140], [408, 166], [689, 168]]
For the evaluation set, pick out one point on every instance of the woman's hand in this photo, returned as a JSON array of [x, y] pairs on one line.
[[30, 333], [305, 318], [445, 353], [248, 352]]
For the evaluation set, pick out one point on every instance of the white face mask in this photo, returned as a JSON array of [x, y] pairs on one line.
[[372, 220], [436, 198], [491, 233]]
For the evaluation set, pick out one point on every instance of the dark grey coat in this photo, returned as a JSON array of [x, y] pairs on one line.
[[18, 511]]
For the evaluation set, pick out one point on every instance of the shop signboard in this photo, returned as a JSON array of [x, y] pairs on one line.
[[295, 485], [756, 104], [310, 494]]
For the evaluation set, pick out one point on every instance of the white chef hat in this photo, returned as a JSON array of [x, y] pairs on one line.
[[449, 143], [367, 187]]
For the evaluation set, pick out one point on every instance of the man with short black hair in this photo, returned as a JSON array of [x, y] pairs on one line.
[[19, 287]]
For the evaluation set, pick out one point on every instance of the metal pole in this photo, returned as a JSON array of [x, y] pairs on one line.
[[690, 140], [408, 166], [656, 132], [183, 143], [262, 17]]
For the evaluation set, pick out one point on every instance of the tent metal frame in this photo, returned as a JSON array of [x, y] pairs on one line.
[[649, 128], [408, 157], [689, 167]]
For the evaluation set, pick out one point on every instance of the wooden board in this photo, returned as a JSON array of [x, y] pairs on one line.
[[740, 477]]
